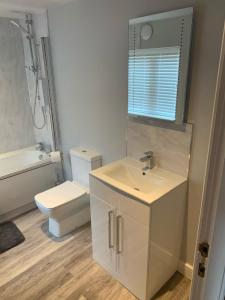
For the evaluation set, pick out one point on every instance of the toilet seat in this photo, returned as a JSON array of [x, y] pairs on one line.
[[60, 195]]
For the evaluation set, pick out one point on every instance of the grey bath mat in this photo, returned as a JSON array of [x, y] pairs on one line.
[[10, 236]]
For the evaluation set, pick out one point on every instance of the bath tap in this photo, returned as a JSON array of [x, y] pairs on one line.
[[47, 149], [40, 147], [148, 158], [43, 148]]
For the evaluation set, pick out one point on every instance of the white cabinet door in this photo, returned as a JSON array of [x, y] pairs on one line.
[[103, 233], [132, 253]]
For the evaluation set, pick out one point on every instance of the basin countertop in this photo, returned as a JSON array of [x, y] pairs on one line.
[[127, 176]]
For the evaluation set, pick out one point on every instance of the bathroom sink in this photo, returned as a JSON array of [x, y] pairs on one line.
[[127, 175], [134, 178]]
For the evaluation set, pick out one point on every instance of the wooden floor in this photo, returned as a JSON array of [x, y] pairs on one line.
[[46, 268]]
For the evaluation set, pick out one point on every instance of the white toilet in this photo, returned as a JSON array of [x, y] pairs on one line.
[[68, 204]]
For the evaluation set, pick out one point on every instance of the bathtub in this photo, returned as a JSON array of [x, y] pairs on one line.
[[23, 174]]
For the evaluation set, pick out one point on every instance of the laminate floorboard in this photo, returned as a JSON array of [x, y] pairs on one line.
[[47, 268]]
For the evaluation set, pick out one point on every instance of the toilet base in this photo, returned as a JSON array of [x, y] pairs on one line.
[[60, 227]]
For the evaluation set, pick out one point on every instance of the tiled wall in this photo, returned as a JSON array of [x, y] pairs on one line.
[[16, 129], [171, 147], [43, 135]]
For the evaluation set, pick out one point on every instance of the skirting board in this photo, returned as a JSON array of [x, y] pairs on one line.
[[185, 269]]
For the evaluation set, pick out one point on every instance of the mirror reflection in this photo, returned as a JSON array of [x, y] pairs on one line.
[[158, 65]]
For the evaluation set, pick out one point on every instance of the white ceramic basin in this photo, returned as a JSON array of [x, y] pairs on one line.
[[127, 175], [135, 178]]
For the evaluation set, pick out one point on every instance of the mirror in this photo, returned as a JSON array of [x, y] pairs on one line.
[[159, 47]]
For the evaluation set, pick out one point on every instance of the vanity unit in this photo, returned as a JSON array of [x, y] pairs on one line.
[[137, 224]]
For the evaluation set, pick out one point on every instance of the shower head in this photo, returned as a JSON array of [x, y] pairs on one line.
[[20, 27]]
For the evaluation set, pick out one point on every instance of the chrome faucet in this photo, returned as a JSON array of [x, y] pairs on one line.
[[148, 159], [43, 148], [40, 147]]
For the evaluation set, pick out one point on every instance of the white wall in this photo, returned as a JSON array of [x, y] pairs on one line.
[[89, 41], [208, 28]]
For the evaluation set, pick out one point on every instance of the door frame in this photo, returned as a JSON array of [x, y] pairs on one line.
[[212, 196]]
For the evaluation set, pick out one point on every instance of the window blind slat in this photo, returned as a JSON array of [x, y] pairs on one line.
[[152, 82]]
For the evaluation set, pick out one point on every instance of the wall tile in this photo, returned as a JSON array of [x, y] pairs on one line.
[[171, 147], [16, 128]]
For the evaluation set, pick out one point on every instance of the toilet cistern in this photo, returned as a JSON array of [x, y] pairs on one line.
[[148, 159]]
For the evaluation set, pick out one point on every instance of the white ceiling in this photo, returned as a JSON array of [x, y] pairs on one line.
[[30, 4]]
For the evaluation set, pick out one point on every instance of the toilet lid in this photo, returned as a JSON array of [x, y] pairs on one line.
[[60, 195]]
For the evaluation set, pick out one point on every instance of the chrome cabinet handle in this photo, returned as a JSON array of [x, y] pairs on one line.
[[119, 234], [110, 229]]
